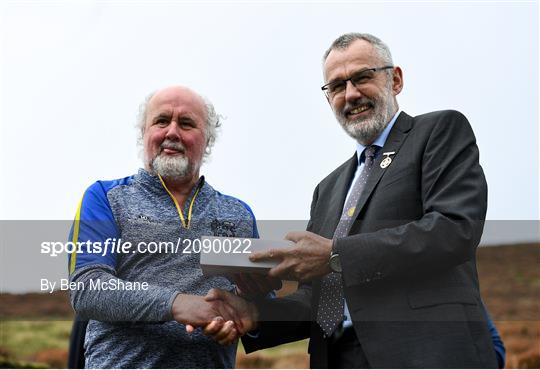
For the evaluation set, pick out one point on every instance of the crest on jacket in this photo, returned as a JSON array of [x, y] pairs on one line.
[[223, 228]]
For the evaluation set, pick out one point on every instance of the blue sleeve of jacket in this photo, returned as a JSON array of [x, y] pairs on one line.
[[94, 227], [498, 344], [255, 231]]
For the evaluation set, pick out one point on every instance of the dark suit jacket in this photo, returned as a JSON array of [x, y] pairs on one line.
[[409, 267]]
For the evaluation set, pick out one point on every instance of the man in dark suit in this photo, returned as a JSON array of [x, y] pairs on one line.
[[387, 266]]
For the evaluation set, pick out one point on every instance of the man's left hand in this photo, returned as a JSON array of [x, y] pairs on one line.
[[306, 260]]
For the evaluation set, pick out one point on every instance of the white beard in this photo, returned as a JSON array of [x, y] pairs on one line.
[[171, 167]]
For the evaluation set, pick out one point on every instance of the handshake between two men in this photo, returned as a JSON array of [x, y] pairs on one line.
[[225, 316]]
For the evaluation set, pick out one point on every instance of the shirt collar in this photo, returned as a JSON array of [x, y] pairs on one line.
[[150, 179], [381, 139]]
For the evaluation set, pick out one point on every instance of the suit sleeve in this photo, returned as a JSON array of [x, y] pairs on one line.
[[95, 224], [454, 201], [286, 319]]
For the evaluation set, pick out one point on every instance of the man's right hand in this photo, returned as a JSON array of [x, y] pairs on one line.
[[245, 311], [196, 311]]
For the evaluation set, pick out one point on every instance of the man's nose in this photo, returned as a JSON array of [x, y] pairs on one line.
[[173, 131], [351, 92]]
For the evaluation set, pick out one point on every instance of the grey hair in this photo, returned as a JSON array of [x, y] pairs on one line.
[[345, 40], [213, 123]]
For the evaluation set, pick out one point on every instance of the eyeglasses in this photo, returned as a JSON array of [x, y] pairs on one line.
[[363, 76]]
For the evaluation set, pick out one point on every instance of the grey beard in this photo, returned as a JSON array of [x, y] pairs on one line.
[[366, 130], [171, 167]]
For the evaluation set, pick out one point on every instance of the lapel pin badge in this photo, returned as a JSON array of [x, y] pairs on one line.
[[387, 160]]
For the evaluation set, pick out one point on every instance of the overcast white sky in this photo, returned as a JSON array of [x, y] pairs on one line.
[[73, 74]]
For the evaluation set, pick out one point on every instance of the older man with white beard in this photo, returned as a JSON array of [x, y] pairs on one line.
[[387, 265], [166, 202]]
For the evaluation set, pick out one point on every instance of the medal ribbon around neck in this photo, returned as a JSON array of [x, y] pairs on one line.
[[178, 209]]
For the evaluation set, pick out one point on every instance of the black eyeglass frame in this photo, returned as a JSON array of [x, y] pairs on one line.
[[324, 88]]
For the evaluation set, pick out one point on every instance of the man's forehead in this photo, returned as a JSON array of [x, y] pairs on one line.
[[359, 52], [167, 99]]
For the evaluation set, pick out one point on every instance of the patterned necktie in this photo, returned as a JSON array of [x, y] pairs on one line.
[[331, 306]]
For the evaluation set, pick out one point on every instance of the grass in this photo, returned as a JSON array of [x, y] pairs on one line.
[[284, 349], [22, 339]]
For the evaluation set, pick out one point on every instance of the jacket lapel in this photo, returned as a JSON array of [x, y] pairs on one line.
[[338, 195], [393, 143]]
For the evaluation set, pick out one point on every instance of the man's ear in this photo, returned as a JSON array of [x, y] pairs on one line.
[[397, 81]]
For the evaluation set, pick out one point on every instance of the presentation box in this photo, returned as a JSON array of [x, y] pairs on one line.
[[226, 255]]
